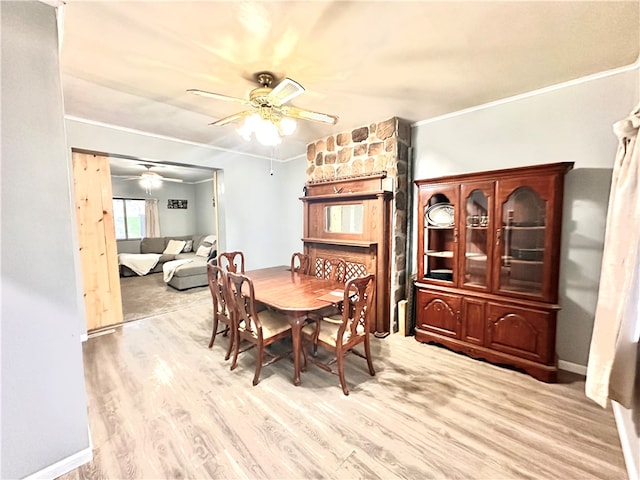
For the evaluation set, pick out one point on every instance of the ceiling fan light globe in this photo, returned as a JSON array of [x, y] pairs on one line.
[[249, 126], [287, 126], [267, 134], [262, 127], [149, 182]]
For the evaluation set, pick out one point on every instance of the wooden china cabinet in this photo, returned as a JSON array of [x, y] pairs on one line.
[[488, 259]]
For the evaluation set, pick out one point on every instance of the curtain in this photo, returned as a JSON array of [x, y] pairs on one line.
[[611, 370], [151, 219]]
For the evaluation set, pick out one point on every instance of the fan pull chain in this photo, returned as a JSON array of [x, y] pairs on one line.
[[271, 164]]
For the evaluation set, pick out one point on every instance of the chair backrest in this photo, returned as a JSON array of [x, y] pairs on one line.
[[357, 303], [242, 300], [218, 285], [301, 263], [232, 261], [334, 269]]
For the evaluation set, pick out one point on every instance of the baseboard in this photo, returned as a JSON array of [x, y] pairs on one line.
[[626, 432], [66, 464], [63, 466], [572, 367]]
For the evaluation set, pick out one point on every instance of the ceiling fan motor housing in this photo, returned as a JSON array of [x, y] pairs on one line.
[[260, 96]]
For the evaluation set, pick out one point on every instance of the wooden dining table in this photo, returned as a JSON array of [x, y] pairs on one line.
[[296, 295]]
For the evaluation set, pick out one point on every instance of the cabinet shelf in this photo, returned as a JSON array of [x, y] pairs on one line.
[[441, 254], [433, 227], [479, 257], [531, 228], [516, 261]]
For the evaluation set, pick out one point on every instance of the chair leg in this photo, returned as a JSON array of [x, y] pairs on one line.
[[215, 329], [304, 356], [256, 377], [340, 363], [367, 352], [231, 343], [235, 338]]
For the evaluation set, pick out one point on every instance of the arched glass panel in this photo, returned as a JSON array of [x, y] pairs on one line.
[[523, 242], [476, 239]]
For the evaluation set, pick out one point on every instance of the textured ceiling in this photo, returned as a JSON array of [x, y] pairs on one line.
[[129, 63]]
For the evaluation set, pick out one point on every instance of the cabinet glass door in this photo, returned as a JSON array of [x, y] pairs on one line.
[[522, 244], [477, 240], [440, 236]]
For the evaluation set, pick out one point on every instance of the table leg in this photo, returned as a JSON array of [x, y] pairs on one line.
[[296, 328]]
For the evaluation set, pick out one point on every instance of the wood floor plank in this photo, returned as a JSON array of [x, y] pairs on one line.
[[163, 405]]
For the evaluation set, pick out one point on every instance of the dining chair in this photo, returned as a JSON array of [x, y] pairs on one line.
[[259, 328], [231, 261], [217, 280], [338, 334], [334, 269], [301, 263]]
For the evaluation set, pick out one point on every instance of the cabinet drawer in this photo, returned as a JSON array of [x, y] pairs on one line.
[[523, 332], [438, 312]]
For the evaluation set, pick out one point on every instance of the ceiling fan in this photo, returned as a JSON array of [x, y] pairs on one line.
[[152, 178], [268, 105]]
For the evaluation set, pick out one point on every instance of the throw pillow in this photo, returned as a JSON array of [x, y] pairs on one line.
[[174, 247], [188, 247], [209, 240], [203, 251]]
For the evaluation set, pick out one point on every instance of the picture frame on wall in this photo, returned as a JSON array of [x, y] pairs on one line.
[[171, 204]]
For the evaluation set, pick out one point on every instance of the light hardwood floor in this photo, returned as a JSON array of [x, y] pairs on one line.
[[162, 405]]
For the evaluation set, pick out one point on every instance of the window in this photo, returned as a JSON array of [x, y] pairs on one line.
[[128, 216]]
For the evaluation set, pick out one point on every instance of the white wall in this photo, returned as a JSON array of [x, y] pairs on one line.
[[573, 123], [293, 177], [44, 406], [205, 211]]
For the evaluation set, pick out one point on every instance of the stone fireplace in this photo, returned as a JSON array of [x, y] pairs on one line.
[[372, 149]]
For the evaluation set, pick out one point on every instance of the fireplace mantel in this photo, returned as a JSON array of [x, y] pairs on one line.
[[366, 250]]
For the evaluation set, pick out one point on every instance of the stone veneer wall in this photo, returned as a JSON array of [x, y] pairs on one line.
[[378, 147]]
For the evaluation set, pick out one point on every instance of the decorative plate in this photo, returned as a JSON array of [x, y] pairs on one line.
[[440, 215]]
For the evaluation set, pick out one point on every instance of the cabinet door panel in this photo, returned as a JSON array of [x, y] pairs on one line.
[[476, 240], [523, 332], [526, 223], [474, 320], [438, 312]]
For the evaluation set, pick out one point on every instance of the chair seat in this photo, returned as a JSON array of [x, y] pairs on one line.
[[329, 330], [273, 324]]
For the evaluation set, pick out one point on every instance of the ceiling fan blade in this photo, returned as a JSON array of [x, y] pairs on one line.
[[296, 112], [230, 118], [285, 91], [165, 179], [218, 96]]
